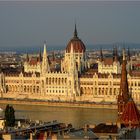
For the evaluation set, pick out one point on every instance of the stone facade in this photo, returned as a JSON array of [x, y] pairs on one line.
[[115, 67], [75, 81], [112, 65]]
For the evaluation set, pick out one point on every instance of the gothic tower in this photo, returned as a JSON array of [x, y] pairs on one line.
[[45, 62], [115, 54], [27, 58], [101, 55], [123, 96], [79, 51], [73, 71]]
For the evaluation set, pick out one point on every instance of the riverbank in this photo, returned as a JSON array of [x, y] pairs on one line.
[[59, 104]]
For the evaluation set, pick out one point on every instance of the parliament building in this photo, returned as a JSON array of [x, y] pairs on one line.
[[75, 81]]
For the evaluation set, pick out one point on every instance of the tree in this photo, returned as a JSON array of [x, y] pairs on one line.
[[9, 116]]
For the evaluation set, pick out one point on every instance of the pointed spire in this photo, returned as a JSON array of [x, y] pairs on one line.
[[127, 110], [27, 58], [115, 54], [45, 61], [124, 90], [71, 67], [128, 55], [44, 52], [123, 96], [53, 56], [124, 55], [75, 32], [101, 55], [40, 56]]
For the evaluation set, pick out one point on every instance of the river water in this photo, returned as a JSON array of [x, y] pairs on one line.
[[76, 116]]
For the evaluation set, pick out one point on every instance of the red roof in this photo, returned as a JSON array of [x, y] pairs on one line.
[[78, 46], [131, 115], [33, 61], [108, 61], [135, 73]]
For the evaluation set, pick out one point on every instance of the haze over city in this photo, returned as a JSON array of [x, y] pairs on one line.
[[26, 23], [69, 70]]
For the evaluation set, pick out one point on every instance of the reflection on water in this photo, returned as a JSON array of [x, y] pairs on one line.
[[76, 116]]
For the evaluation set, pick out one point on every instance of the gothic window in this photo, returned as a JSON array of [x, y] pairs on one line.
[[50, 82], [42, 84], [46, 80], [37, 89], [111, 91], [62, 81], [95, 91], [53, 80], [114, 91], [33, 89], [99, 91], [106, 91], [59, 81]]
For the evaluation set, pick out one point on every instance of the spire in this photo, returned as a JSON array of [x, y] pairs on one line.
[[115, 54], [72, 59], [128, 55], [101, 55], [27, 57], [124, 55], [40, 56], [44, 52], [73, 72], [53, 56], [45, 61], [124, 90], [123, 96], [75, 32]]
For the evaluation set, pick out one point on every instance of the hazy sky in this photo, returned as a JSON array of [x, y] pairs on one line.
[[30, 23]]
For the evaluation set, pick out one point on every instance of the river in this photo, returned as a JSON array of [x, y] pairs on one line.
[[76, 116]]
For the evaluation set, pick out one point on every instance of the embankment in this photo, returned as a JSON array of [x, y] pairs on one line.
[[58, 104]]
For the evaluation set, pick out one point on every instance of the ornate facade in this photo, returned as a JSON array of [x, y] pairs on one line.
[[75, 81], [110, 65]]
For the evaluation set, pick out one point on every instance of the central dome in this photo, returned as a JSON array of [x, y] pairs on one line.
[[78, 45]]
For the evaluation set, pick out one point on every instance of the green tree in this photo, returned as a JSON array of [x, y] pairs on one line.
[[9, 116]]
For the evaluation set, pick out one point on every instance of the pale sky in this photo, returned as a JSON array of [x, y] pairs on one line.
[[25, 23]]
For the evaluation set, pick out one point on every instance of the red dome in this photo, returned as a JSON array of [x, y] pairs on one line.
[[78, 46]]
